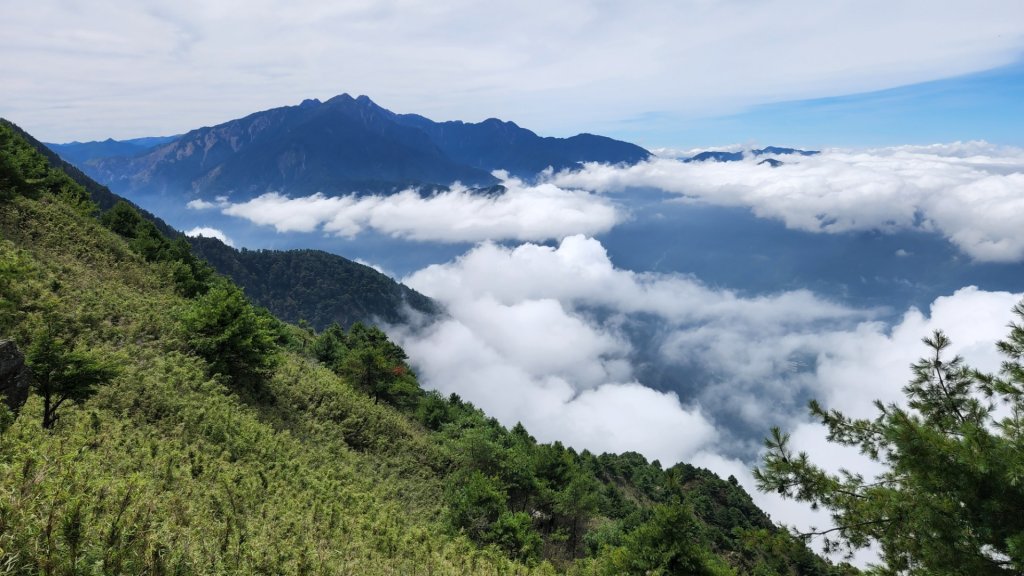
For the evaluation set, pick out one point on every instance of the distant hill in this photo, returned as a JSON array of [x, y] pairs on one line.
[[310, 285], [315, 286], [342, 145], [722, 156], [82, 152]]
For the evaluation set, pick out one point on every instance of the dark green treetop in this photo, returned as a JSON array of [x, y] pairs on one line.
[[63, 371]]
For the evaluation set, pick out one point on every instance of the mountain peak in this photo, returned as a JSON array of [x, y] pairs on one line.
[[343, 97], [362, 102], [346, 144], [499, 122]]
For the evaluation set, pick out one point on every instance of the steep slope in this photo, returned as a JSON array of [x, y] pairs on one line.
[[314, 286], [343, 145], [170, 467], [101, 195], [214, 439], [310, 285]]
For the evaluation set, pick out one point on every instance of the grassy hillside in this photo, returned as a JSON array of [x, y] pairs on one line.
[[200, 435]]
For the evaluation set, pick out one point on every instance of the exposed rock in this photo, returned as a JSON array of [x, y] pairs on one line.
[[14, 375]]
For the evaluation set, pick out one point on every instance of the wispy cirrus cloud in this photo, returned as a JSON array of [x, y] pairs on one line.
[[196, 64]]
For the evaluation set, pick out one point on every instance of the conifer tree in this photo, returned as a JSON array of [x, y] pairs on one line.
[[223, 328], [951, 498]]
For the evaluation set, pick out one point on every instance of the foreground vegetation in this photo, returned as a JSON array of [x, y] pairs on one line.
[[177, 429], [950, 498]]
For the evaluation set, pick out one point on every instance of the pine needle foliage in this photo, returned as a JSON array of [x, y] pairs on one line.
[[949, 500]]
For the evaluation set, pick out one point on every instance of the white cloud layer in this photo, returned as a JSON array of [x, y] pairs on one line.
[[460, 215], [536, 335], [972, 193], [198, 63], [200, 204], [207, 232], [856, 367]]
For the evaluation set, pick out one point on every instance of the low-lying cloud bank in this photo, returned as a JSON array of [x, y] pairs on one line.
[[538, 335], [972, 193], [522, 212]]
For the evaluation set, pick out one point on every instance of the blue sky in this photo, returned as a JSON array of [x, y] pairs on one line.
[[660, 72], [987, 105]]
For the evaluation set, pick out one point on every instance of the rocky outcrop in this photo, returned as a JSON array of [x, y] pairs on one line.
[[14, 375]]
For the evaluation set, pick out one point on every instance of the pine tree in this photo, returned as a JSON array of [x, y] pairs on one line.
[[950, 499]]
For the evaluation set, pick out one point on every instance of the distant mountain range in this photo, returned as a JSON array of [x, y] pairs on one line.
[[342, 145], [723, 156], [83, 152]]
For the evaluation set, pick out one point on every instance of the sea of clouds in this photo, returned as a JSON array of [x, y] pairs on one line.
[[968, 192], [522, 343], [541, 323]]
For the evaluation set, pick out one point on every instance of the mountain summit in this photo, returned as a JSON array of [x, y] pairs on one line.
[[342, 145]]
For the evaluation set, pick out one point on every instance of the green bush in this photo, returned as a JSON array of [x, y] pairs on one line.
[[222, 327]]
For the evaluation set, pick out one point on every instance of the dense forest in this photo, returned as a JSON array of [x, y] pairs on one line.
[[313, 286], [175, 428]]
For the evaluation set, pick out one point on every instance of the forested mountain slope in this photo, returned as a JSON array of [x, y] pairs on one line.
[[174, 428], [315, 286]]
